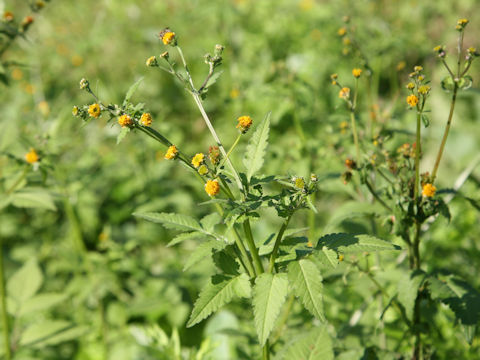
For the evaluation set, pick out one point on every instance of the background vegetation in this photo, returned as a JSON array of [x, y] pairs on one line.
[[86, 280]]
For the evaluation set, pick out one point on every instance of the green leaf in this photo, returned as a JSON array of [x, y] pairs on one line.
[[202, 251], [327, 258], [51, 332], [256, 148], [447, 83], [408, 289], [465, 82], [41, 302], [172, 221], [25, 283], [351, 243], [132, 90], [213, 79], [269, 294], [425, 120], [218, 292], [306, 281], [186, 236], [209, 221], [352, 209], [121, 135], [226, 262], [33, 198], [316, 344]]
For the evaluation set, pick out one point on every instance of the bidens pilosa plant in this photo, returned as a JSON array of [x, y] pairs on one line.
[[411, 202], [266, 272]]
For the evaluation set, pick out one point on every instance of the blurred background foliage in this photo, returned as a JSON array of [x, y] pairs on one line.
[[121, 292]]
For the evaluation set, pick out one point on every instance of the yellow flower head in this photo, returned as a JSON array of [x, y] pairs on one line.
[[410, 86], [125, 120], [8, 16], [350, 164], [418, 68], [75, 111], [244, 123], [94, 110], [342, 31], [344, 93], [151, 61], [438, 48], [421, 78], [357, 72], [412, 100], [168, 37], [401, 65], [171, 152], [346, 41], [424, 89], [212, 187], [32, 157], [299, 182], [146, 119], [84, 84], [343, 127], [198, 159], [203, 170], [429, 190], [462, 22]]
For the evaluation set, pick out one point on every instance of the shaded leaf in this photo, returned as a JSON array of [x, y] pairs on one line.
[[269, 294], [33, 198], [351, 243], [315, 345], [306, 281], [218, 292]]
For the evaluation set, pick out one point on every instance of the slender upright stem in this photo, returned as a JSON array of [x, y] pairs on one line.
[[417, 155], [355, 135], [253, 249], [230, 150], [3, 295], [445, 134], [266, 351], [278, 241]]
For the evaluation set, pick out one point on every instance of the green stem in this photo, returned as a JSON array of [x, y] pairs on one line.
[[3, 295], [266, 351], [253, 249], [355, 135], [230, 151], [278, 241], [375, 195], [198, 101], [417, 156], [445, 134]]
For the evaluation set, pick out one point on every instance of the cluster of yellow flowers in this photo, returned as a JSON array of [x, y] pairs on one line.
[[428, 190]]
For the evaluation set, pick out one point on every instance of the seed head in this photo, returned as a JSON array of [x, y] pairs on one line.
[[244, 123], [171, 152], [146, 119], [429, 190], [412, 100], [94, 110], [212, 187], [125, 120], [198, 160]]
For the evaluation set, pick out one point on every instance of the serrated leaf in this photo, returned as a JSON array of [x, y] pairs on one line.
[[186, 236], [209, 221], [51, 332], [33, 198], [171, 220], [132, 90], [25, 283], [202, 251], [269, 294], [408, 289], [316, 344], [307, 284], [121, 135], [226, 263], [41, 302], [351, 243], [327, 258], [218, 292], [256, 148]]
